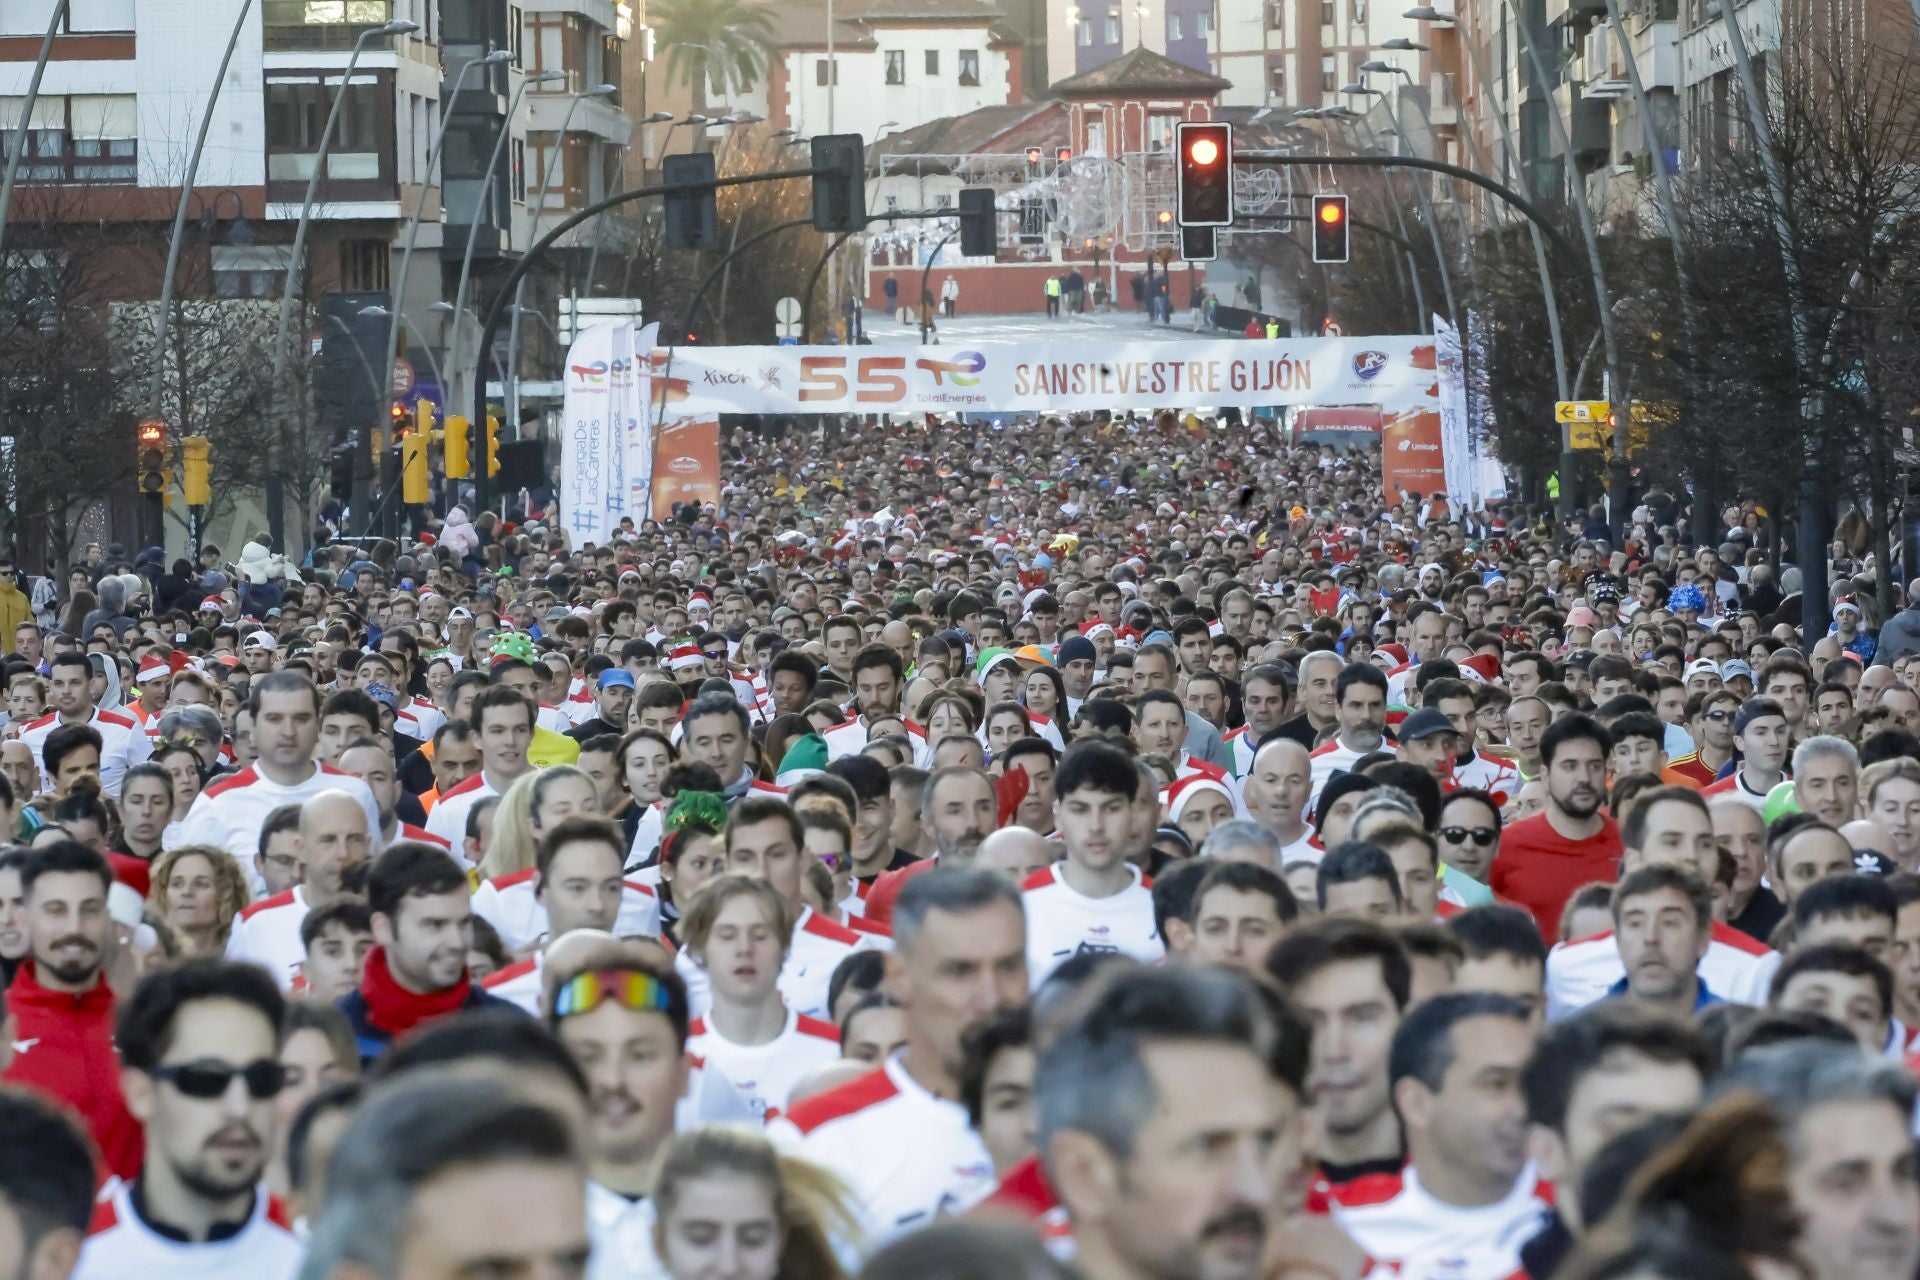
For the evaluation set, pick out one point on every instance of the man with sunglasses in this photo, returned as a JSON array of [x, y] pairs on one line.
[[199, 1044], [625, 1020]]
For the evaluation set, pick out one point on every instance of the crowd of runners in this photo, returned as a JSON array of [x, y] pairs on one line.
[[1131, 847]]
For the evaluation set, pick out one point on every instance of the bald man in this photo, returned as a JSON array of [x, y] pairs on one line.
[[1016, 853], [335, 837], [1276, 791]]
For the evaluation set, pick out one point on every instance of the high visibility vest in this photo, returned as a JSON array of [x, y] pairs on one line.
[[1273, 328], [1553, 486], [1053, 286]]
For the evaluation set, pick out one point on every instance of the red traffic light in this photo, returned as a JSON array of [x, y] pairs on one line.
[[1203, 176], [1331, 213], [151, 433], [1330, 229], [1203, 151]]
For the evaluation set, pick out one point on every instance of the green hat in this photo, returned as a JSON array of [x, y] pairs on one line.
[[513, 644], [708, 808], [989, 658], [806, 756]]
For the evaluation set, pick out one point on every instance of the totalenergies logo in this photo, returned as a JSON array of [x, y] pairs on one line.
[[963, 369], [591, 375]]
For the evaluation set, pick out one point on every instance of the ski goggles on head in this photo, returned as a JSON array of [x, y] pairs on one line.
[[629, 988]]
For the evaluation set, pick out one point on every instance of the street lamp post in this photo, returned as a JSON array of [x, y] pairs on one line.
[[19, 147], [156, 384], [497, 58], [539, 210], [276, 486], [486, 197], [1420, 193], [1427, 13]]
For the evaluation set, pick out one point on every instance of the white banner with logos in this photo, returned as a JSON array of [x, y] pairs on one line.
[[1456, 434], [606, 438], [1396, 372]]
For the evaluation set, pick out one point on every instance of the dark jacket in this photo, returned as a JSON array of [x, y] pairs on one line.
[[380, 1010], [1899, 636]]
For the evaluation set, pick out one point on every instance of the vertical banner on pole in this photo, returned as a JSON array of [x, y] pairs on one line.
[[1456, 433], [686, 464], [1410, 453], [638, 430], [592, 463]]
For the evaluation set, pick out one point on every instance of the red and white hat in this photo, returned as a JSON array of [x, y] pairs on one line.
[[1184, 790], [685, 658]]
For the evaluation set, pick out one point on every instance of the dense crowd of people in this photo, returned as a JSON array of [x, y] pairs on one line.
[[1124, 846]]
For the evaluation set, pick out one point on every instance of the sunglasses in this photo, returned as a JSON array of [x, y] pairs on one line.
[[1482, 836], [716, 656], [628, 988], [265, 1078], [1717, 716]]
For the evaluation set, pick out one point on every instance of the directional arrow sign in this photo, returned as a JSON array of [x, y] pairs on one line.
[[1566, 411]]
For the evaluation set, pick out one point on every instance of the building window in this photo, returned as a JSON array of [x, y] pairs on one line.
[[1329, 77], [1083, 34], [1203, 23], [1096, 135], [88, 138], [519, 170], [363, 265], [1113, 29], [1277, 81], [249, 271], [515, 38], [1326, 13], [1276, 15], [1174, 31], [933, 62], [320, 24], [297, 113], [825, 70], [896, 66], [970, 66], [1160, 130]]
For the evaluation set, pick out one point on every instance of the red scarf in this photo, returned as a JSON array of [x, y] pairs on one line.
[[394, 1009]]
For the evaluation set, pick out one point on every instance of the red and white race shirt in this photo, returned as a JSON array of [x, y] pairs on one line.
[[509, 905], [1405, 1229], [1736, 968], [230, 812], [420, 718], [267, 933], [816, 949], [1327, 759], [448, 817], [407, 831], [121, 1246], [1735, 784], [518, 983], [1062, 922], [123, 744], [907, 1156], [764, 1075], [1488, 773]]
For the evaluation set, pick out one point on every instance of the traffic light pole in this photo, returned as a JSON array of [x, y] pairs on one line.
[[503, 296]]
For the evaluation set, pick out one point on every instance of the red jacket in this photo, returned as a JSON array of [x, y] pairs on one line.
[[63, 1047]]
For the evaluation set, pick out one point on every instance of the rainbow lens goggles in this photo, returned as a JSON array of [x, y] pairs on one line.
[[628, 988]]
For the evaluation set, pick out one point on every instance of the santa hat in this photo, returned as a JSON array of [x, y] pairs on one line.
[[214, 603], [1398, 652], [685, 658], [152, 670], [699, 600], [1094, 628], [1483, 667], [1184, 790]]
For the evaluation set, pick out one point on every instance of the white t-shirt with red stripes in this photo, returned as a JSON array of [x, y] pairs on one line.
[[120, 1245], [1061, 922], [764, 1075], [1736, 967], [509, 905], [230, 812]]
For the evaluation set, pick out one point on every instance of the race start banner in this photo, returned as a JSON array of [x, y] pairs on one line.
[[1398, 373], [606, 437], [686, 463]]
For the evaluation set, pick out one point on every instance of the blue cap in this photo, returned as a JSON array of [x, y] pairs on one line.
[[613, 677], [1074, 649]]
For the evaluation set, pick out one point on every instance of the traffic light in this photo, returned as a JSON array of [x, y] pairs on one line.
[[1204, 175], [493, 446], [691, 220], [415, 487], [151, 436], [457, 443], [1330, 229], [979, 225], [840, 197], [1199, 244], [423, 416], [396, 427], [194, 451]]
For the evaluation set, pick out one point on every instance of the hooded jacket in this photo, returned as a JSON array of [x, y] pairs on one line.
[[15, 609], [459, 536], [63, 1048]]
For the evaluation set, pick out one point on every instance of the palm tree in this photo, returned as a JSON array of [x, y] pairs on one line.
[[717, 45]]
